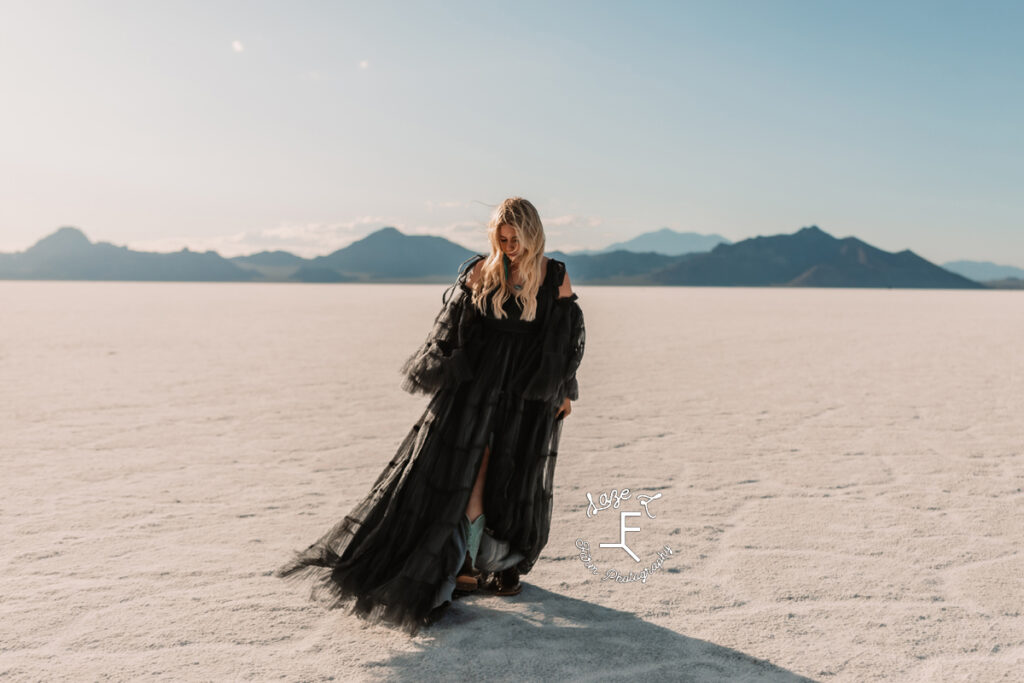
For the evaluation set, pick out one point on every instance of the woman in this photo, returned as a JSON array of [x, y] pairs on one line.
[[465, 503]]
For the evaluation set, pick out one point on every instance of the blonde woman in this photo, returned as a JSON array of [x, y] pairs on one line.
[[465, 504]]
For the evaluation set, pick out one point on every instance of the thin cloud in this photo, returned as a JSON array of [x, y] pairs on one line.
[[237, 46], [302, 239], [319, 239], [573, 221], [364, 64], [452, 231]]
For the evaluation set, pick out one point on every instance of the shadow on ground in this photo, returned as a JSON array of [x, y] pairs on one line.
[[540, 635]]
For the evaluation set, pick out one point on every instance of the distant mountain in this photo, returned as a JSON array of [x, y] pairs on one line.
[[809, 258], [315, 274], [1005, 283], [389, 255], [983, 270], [669, 242], [615, 268], [278, 266], [69, 255], [271, 258]]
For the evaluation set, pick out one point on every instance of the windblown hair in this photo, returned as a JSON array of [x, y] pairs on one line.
[[491, 284]]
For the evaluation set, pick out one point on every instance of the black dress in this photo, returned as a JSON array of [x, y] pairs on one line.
[[496, 382]]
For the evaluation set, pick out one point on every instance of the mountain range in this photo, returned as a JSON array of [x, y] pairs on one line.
[[665, 241], [809, 257], [69, 255]]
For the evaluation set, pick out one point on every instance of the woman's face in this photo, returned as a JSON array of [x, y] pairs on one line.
[[508, 240]]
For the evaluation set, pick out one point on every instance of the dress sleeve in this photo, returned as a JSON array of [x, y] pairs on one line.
[[574, 350], [564, 339], [441, 360]]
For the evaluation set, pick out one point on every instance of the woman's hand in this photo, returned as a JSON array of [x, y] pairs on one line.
[[564, 409]]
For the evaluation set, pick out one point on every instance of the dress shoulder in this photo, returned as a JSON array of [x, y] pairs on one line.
[[555, 274], [465, 268]]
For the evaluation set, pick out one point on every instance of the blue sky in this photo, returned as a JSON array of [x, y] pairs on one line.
[[241, 126]]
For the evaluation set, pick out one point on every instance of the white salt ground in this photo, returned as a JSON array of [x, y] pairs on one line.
[[841, 477]]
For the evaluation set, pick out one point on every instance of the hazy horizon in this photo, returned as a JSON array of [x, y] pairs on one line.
[[482, 249], [242, 127]]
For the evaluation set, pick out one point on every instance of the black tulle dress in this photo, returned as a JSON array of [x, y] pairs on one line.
[[496, 382]]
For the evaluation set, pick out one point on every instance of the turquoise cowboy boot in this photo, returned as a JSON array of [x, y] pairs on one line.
[[469, 576]]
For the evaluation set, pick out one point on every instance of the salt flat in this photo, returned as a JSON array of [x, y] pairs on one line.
[[841, 476]]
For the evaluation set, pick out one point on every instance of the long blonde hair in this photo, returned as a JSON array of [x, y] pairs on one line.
[[491, 285]]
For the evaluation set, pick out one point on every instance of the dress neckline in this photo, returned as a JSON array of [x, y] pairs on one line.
[[552, 268], [547, 279]]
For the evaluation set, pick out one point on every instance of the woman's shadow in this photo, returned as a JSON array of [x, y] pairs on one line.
[[540, 635]]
